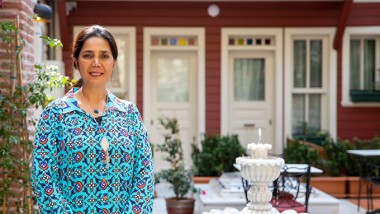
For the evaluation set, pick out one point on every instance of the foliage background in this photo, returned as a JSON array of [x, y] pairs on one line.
[[17, 99]]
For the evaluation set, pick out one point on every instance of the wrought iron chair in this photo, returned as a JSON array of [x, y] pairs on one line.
[[373, 177], [246, 186], [292, 189]]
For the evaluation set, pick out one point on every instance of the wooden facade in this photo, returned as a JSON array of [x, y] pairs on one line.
[[362, 122]]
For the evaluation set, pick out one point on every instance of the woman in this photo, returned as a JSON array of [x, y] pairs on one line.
[[91, 150]]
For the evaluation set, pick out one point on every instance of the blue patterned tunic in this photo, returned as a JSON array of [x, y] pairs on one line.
[[69, 169]]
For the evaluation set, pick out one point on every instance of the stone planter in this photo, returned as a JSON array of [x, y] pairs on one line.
[[335, 186], [353, 188], [202, 179]]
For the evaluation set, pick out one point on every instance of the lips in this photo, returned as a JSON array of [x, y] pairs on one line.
[[96, 74]]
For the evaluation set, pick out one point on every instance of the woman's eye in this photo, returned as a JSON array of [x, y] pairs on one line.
[[106, 56], [87, 56]]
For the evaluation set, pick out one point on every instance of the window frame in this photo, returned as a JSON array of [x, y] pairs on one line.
[[308, 90], [357, 32], [328, 89]]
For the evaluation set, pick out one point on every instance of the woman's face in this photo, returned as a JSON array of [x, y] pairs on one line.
[[95, 62]]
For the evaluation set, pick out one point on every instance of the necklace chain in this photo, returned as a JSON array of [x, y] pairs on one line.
[[104, 142], [88, 106]]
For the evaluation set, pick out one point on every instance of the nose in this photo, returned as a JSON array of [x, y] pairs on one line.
[[95, 63]]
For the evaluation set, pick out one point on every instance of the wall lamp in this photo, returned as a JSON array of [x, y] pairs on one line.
[[43, 11]]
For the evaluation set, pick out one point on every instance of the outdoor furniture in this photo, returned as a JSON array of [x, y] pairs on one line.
[[292, 189], [246, 187], [363, 156], [373, 176]]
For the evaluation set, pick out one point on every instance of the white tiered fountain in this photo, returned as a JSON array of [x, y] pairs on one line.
[[260, 170]]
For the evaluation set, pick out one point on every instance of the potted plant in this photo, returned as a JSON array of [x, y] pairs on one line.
[[177, 175], [215, 155]]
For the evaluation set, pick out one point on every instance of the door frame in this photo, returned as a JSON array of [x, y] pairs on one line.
[[277, 48], [129, 32], [199, 48]]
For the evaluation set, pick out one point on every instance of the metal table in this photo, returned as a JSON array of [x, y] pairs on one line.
[[363, 155]]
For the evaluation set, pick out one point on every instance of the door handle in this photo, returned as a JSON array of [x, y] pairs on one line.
[[249, 125]]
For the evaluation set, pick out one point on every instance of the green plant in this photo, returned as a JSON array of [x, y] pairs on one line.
[[331, 156], [16, 99], [373, 143], [179, 177], [297, 152], [217, 155], [338, 161]]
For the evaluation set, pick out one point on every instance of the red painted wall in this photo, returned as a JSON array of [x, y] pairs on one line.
[[353, 122], [232, 14]]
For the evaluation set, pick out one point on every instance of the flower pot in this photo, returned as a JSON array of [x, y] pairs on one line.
[[180, 206], [335, 186]]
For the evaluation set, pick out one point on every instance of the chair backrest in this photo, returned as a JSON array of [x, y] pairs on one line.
[[292, 189], [372, 174]]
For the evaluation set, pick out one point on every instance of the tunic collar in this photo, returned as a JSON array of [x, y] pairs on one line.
[[70, 103]]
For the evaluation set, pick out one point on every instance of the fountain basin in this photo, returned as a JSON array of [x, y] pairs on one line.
[[260, 170]]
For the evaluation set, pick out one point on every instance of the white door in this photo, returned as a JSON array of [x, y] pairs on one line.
[[173, 94], [251, 95]]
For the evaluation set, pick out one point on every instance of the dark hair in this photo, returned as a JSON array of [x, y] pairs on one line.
[[86, 33]]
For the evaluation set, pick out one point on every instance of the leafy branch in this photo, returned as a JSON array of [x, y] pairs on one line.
[[15, 127]]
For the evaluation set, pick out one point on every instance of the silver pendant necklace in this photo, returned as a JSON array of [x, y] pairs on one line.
[[104, 142]]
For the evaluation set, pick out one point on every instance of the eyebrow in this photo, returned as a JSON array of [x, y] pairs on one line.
[[90, 51]]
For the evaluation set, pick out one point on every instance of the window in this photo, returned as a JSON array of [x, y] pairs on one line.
[[308, 86], [362, 63], [361, 67], [249, 79], [310, 81], [173, 80]]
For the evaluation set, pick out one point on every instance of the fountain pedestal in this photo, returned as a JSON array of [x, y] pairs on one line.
[[261, 173]]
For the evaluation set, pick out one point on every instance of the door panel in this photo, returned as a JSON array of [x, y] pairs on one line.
[[173, 89], [251, 96]]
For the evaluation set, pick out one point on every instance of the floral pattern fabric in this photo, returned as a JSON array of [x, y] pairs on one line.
[[69, 168]]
